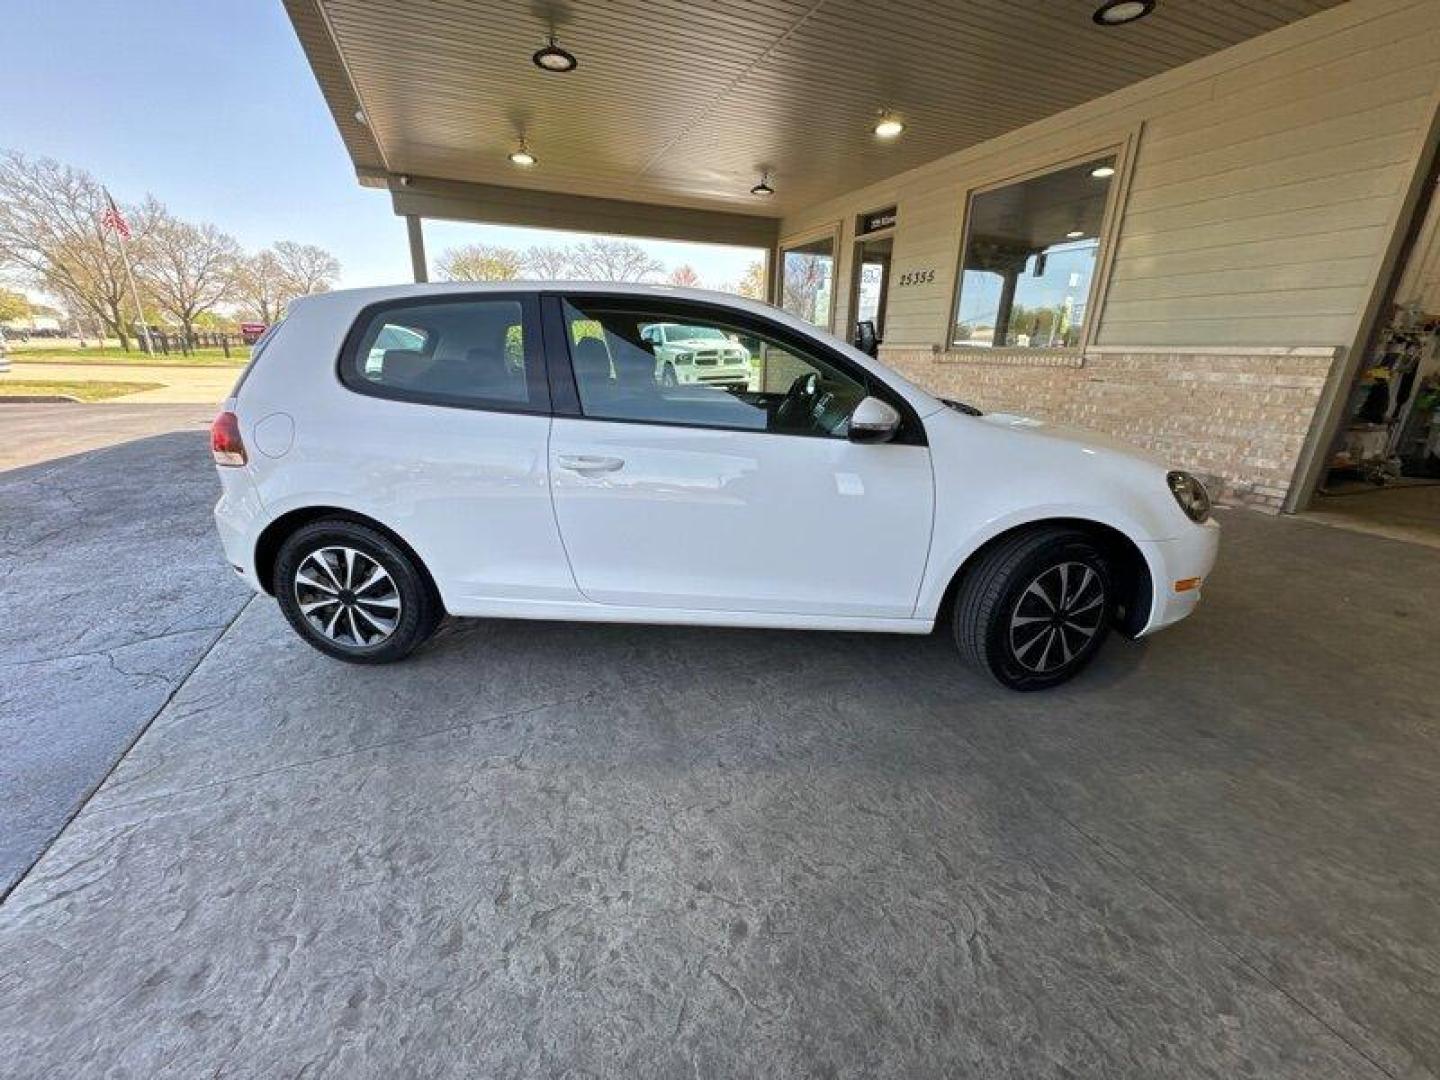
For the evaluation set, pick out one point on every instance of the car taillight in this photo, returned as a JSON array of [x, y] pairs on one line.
[[226, 446]]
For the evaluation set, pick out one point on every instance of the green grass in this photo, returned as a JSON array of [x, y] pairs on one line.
[[207, 357], [85, 391]]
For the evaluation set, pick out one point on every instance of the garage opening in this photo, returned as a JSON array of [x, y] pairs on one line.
[[1383, 468]]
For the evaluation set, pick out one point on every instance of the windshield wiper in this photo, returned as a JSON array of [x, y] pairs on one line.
[[960, 406]]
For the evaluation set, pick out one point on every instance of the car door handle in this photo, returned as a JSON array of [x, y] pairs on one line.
[[589, 463]]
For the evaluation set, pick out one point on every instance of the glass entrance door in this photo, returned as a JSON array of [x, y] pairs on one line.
[[871, 289]]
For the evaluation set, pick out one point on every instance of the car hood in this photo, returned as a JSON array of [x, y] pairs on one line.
[[1082, 439]]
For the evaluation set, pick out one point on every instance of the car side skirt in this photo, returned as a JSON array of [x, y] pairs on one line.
[[613, 613]]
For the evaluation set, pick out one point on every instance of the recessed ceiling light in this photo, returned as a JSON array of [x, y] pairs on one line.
[[360, 117], [1120, 12], [1102, 172], [763, 188], [1074, 234], [889, 126], [554, 58], [522, 156]]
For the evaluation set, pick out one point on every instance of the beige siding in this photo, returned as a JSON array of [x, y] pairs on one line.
[[1266, 182]]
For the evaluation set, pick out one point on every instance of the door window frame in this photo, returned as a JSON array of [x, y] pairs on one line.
[[565, 394], [531, 338]]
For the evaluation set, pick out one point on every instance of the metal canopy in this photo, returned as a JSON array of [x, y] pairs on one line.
[[686, 103]]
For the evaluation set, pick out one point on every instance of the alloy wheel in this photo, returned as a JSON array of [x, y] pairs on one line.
[[347, 596], [1057, 616]]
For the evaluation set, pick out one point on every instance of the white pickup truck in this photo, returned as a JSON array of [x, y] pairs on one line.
[[697, 354]]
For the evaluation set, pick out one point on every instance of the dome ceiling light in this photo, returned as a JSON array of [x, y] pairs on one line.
[[1120, 12], [763, 189], [1074, 234], [522, 156], [889, 125], [553, 58], [1103, 172]]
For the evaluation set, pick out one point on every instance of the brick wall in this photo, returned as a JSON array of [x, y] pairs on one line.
[[1238, 419]]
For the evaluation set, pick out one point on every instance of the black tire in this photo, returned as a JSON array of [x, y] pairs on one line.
[[420, 610], [1005, 622], [668, 376]]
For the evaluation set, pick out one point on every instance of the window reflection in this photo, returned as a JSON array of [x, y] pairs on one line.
[[807, 280], [1030, 254]]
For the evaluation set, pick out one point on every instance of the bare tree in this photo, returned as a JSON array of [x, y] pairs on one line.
[[613, 260], [308, 269], [806, 278], [547, 263], [267, 281], [478, 262], [262, 287], [51, 233], [188, 269], [684, 276]]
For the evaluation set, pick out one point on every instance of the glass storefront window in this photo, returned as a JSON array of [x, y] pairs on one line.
[[808, 280], [1031, 249]]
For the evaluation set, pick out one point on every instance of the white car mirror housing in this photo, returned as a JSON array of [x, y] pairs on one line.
[[873, 421]]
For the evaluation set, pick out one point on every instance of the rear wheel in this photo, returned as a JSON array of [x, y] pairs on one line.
[[353, 593], [1035, 609]]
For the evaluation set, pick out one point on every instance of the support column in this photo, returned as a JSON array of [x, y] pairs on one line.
[[772, 275], [417, 248], [1007, 304]]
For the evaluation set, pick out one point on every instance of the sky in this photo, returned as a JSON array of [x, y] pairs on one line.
[[210, 106]]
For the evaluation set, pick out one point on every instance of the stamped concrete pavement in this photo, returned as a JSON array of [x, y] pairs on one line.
[[112, 586]]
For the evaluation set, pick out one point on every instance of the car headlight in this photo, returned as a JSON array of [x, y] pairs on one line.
[[1190, 493], [684, 357]]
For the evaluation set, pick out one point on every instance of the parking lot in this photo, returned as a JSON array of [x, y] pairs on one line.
[[546, 849]]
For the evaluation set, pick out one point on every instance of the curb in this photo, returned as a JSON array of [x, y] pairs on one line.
[[39, 399]]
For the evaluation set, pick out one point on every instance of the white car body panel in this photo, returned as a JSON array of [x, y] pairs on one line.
[[699, 526], [743, 521]]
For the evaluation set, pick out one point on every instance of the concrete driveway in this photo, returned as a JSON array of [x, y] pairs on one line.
[[564, 850], [108, 596]]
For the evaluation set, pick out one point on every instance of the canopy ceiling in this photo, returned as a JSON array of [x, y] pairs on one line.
[[685, 103]]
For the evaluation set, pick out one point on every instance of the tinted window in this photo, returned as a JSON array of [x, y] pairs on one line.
[[715, 375], [470, 352]]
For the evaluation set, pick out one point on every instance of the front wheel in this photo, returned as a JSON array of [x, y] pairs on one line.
[[668, 376], [354, 594], [1035, 609]]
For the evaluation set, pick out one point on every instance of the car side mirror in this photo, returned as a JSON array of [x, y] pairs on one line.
[[873, 421]]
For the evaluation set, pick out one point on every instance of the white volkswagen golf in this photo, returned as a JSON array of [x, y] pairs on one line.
[[508, 450]]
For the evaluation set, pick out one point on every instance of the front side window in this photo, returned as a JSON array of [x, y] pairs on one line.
[[808, 279], [464, 352], [702, 373], [1031, 250]]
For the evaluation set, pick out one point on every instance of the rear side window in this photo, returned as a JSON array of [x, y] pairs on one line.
[[470, 352]]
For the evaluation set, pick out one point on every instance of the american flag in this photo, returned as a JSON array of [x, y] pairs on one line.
[[113, 220]]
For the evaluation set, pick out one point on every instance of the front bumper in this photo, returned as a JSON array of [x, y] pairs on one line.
[[1181, 560]]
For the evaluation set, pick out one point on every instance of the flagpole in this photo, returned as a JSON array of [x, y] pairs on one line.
[[130, 277]]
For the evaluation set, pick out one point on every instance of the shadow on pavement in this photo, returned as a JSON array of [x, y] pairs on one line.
[[113, 587]]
